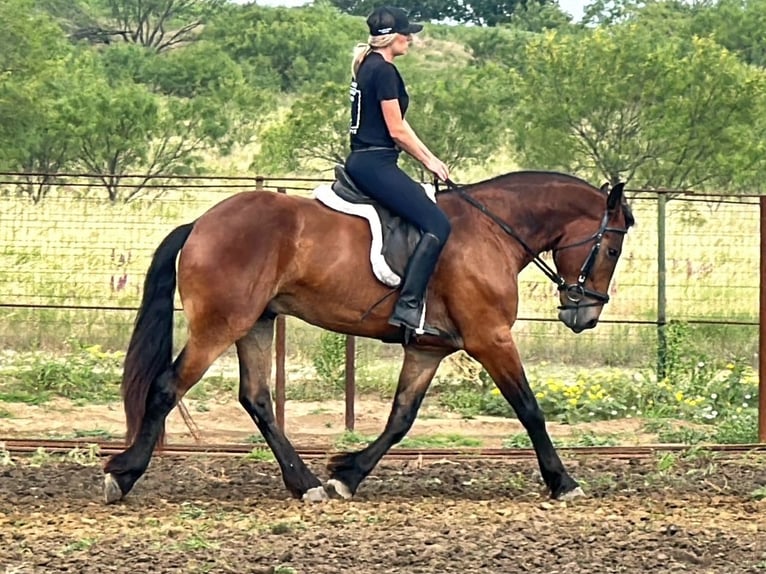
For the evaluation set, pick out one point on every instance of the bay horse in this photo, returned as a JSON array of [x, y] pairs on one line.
[[259, 254]]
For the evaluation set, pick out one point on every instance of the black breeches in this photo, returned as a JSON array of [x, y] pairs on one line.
[[378, 176]]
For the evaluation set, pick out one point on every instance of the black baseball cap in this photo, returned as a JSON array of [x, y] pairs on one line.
[[390, 20]]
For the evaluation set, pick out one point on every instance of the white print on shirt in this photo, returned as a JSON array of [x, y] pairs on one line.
[[355, 95]]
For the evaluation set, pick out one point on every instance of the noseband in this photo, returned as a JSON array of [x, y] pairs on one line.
[[575, 292]]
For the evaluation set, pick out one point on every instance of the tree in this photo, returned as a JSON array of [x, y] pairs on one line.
[[454, 113], [312, 136], [156, 24], [188, 101], [289, 49], [736, 24], [36, 64], [482, 12], [622, 104], [457, 113]]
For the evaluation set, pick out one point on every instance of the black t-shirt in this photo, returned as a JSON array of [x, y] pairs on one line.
[[376, 81]]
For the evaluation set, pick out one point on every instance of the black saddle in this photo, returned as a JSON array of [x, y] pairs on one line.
[[399, 236]]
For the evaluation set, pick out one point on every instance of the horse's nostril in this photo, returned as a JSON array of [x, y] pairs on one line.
[[590, 324]]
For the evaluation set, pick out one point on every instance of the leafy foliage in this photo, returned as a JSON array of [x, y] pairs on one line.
[[661, 93], [156, 24], [159, 121], [314, 133], [668, 112], [289, 49], [482, 12], [35, 68], [87, 373]]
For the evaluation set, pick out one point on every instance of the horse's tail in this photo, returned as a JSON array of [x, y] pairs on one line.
[[150, 352]]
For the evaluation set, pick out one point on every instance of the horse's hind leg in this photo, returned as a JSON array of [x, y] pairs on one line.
[[123, 470], [254, 351], [349, 469]]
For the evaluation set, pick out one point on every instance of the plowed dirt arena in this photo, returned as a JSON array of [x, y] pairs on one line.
[[696, 513]]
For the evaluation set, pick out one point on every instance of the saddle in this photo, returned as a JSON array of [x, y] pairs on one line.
[[393, 238]]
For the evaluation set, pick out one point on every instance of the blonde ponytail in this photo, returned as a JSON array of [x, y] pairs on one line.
[[361, 51]]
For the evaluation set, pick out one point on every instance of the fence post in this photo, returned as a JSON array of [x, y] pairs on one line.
[[350, 381], [259, 183], [762, 330], [281, 352], [662, 343]]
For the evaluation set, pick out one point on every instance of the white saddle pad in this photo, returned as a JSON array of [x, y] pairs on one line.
[[380, 268]]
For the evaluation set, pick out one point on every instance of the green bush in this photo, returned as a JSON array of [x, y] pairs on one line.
[[87, 373]]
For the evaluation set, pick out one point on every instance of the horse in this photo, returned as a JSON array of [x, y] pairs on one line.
[[258, 254]]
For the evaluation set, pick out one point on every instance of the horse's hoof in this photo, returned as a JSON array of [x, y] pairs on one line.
[[316, 494], [112, 490], [572, 494], [340, 489]]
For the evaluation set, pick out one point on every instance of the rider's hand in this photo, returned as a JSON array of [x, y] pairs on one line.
[[437, 167]]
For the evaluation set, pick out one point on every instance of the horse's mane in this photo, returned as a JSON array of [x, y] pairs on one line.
[[518, 175], [556, 175]]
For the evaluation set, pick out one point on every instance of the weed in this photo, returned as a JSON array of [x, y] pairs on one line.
[[86, 373], [351, 439], [440, 441], [666, 462], [79, 545], [85, 457], [329, 359], [5, 456], [517, 481], [684, 435], [40, 457], [191, 511], [518, 440], [588, 438], [92, 433], [197, 542], [261, 455]]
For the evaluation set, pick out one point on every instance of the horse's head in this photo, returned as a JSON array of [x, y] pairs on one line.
[[586, 259]]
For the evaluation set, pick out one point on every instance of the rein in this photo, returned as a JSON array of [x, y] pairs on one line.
[[575, 292]]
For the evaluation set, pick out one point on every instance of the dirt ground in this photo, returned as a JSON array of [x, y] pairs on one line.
[[307, 423], [671, 515]]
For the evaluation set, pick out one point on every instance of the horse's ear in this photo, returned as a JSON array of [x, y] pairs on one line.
[[604, 188], [615, 196]]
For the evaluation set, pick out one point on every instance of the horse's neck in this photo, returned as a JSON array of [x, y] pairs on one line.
[[538, 219]]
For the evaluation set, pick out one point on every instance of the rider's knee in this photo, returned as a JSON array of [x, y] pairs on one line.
[[442, 229]]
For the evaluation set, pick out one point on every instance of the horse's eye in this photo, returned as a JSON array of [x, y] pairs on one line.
[[612, 252]]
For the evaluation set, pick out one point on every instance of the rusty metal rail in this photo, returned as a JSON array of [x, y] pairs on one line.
[[105, 448]]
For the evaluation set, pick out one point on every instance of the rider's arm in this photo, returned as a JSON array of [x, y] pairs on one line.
[[401, 132]]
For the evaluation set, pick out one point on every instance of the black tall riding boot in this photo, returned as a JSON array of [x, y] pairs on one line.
[[420, 267]]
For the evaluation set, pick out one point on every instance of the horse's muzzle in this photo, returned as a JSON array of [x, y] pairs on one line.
[[579, 318]]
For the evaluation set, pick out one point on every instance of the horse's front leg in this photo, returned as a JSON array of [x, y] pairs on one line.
[[502, 361], [349, 469]]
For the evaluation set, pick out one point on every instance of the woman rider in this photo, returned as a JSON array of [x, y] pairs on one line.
[[379, 132]]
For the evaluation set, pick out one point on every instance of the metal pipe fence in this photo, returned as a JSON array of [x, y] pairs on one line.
[[73, 264]]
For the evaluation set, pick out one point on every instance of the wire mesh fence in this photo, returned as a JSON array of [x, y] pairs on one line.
[[73, 264]]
